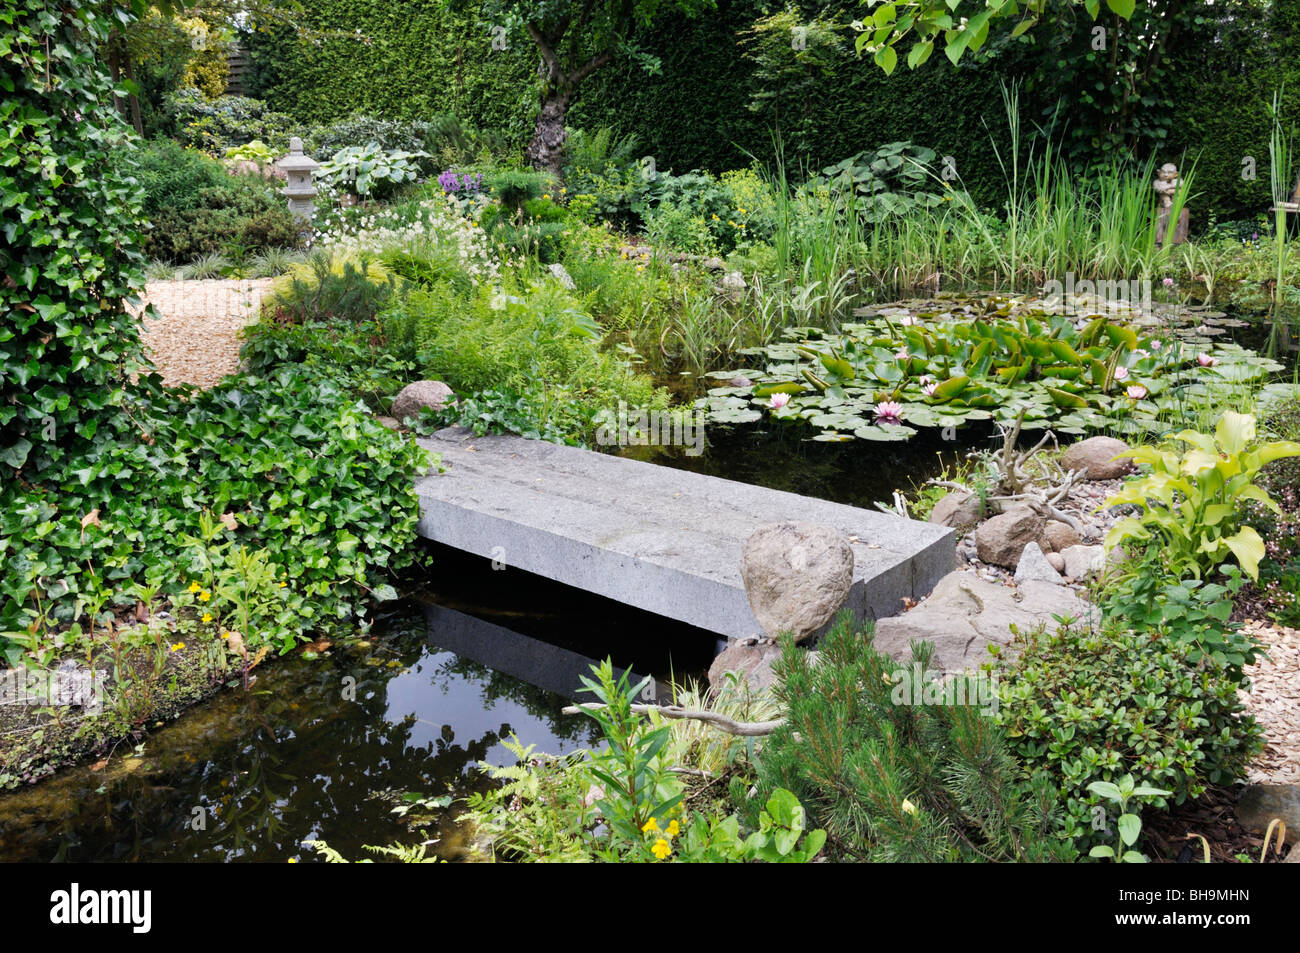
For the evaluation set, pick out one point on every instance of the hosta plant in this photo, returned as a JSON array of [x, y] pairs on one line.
[[1191, 500]]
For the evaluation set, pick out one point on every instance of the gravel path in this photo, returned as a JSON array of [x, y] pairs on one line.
[[196, 339], [1274, 700]]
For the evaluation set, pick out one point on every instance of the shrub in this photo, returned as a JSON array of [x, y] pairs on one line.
[[215, 125], [195, 207], [1089, 706], [892, 780]]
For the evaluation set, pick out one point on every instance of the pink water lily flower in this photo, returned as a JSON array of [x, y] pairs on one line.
[[778, 401], [889, 412], [929, 389], [926, 379], [1121, 373], [1156, 345], [1205, 360], [1136, 391], [902, 354]]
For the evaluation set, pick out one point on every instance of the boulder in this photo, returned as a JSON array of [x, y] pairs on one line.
[[956, 509], [999, 540], [752, 660], [1080, 561], [796, 575], [965, 613], [1057, 561], [1034, 565], [1060, 535], [1095, 456], [392, 423], [415, 396], [1260, 803]]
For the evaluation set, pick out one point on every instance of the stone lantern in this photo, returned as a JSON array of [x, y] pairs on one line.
[[299, 191]]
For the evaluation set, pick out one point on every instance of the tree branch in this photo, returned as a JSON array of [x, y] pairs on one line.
[[745, 729]]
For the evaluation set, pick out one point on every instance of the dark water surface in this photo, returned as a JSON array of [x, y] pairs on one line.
[[324, 748]]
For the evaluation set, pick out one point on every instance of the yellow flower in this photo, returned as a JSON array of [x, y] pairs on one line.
[[908, 807], [194, 587], [673, 829], [207, 617], [650, 825], [661, 848], [293, 860], [742, 211], [715, 216], [283, 584], [205, 596], [178, 646]]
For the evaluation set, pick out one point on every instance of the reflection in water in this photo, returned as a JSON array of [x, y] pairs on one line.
[[316, 749], [324, 748]]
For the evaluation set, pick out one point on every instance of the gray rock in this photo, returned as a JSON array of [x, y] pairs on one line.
[[1095, 456], [415, 396], [964, 614], [1060, 535], [713, 264], [1034, 565], [734, 282], [1080, 561], [1056, 561], [1000, 539], [1260, 803], [796, 576], [392, 423], [957, 509], [752, 660]]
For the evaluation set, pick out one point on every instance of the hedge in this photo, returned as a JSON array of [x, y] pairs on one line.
[[694, 112]]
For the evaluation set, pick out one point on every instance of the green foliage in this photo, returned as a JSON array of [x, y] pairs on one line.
[[1128, 825], [70, 255], [195, 207], [535, 414], [370, 171], [410, 61], [894, 180], [533, 339], [1190, 500], [307, 474], [1190, 612], [215, 125], [1096, 705], [995, 358], [892, 779], [623, 803], [436, 142]]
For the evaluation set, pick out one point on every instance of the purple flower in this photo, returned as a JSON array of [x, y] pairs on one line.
[[1169, 282]]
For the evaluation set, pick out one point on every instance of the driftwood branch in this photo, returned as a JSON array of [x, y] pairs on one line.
[[745, 729]]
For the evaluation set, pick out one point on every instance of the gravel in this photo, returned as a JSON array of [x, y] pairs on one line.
[[196, 338]]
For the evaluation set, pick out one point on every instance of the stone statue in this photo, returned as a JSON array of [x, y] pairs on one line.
[[1166, 186]]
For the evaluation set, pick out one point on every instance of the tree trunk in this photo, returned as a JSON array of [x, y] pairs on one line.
[[546, 150]]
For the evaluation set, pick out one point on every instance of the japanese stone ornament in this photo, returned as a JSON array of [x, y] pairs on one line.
[[300, 191]]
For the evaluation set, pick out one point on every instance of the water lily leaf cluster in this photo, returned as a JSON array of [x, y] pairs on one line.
[[902, 369]]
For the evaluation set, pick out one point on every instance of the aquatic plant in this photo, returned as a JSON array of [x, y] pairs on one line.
[[994, 358]]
